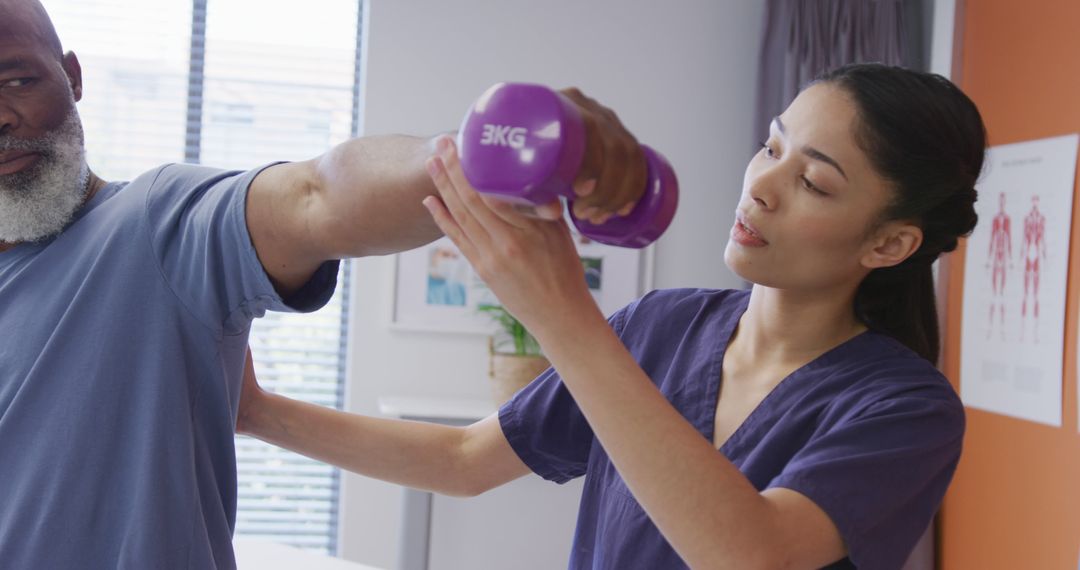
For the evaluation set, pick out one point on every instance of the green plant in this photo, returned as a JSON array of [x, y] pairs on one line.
[[511, 333]]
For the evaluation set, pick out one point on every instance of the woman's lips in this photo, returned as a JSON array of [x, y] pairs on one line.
[[744, 234]]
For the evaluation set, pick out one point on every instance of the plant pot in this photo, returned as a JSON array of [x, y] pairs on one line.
[[512, 372]]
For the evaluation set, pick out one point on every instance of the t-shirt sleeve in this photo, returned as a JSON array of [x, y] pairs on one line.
[[197, 222], [546, 428], [881, 475]]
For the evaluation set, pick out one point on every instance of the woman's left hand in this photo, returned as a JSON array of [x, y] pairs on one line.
[[530, 264]]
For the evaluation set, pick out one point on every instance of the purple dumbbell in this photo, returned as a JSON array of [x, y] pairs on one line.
[[525, 143]]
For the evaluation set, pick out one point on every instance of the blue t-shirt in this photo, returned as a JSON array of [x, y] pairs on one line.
[[869, 431], [120, 373]]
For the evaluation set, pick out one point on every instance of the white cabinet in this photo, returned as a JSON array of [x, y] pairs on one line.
[[525, 525]]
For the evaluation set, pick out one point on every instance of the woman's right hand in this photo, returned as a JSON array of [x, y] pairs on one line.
[[251, 395]]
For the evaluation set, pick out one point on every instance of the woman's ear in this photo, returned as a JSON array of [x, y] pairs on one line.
[[893, 243]]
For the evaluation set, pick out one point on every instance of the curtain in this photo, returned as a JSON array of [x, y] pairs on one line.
[[802, 38]]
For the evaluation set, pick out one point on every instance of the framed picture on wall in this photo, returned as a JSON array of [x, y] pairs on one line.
[[435, 288]]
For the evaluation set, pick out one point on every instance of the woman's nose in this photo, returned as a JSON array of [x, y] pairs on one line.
[[763, 189]]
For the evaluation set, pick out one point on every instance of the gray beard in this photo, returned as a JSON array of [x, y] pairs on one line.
[[39, 202]]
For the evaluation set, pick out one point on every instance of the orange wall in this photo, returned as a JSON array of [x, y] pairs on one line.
[[1015, 501]]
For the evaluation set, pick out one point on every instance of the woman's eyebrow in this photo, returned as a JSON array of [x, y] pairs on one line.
[[813, 152]]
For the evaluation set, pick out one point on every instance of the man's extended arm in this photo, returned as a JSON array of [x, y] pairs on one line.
[[364, 196], [360, 198]]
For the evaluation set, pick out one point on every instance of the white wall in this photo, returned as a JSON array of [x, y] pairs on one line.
[[681, 74]]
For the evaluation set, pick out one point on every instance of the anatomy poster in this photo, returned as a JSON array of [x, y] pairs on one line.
[[1015, 272]]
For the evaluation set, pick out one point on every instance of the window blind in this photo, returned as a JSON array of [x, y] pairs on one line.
[[234, 84]]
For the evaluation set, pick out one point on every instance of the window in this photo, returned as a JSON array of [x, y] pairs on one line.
[[234, 84]]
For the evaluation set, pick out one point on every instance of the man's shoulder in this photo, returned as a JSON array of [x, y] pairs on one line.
[[179, 174], [175, 190]]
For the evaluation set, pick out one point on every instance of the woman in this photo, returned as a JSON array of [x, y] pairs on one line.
[[801, 424]]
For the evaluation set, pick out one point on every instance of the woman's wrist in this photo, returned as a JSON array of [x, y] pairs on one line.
[[568, 323]]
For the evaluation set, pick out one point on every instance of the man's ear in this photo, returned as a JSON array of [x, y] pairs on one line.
[[892, 244], [73, 69]]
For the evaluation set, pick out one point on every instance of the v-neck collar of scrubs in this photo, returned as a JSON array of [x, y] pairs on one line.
[[731, 447]]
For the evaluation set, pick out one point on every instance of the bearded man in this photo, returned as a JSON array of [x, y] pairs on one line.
[[126, 308]]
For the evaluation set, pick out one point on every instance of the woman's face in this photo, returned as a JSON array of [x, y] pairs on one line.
[[809, 200]]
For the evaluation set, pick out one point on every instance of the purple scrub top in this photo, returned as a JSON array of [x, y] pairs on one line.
[[869, 431]]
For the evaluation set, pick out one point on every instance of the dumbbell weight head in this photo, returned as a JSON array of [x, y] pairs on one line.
[[650, 217], [523, 143]]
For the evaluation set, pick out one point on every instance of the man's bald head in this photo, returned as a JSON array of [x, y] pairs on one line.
[[28, 19]]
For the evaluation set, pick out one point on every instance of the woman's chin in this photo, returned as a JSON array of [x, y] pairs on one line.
[[729, 256], [737, 263]]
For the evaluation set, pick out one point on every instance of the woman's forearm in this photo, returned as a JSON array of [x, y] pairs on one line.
[[415, 454]]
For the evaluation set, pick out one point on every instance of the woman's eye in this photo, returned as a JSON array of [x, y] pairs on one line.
[[768, 150], [811, 187]]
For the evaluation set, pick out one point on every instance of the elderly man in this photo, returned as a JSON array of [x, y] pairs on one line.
[[126, 308]]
